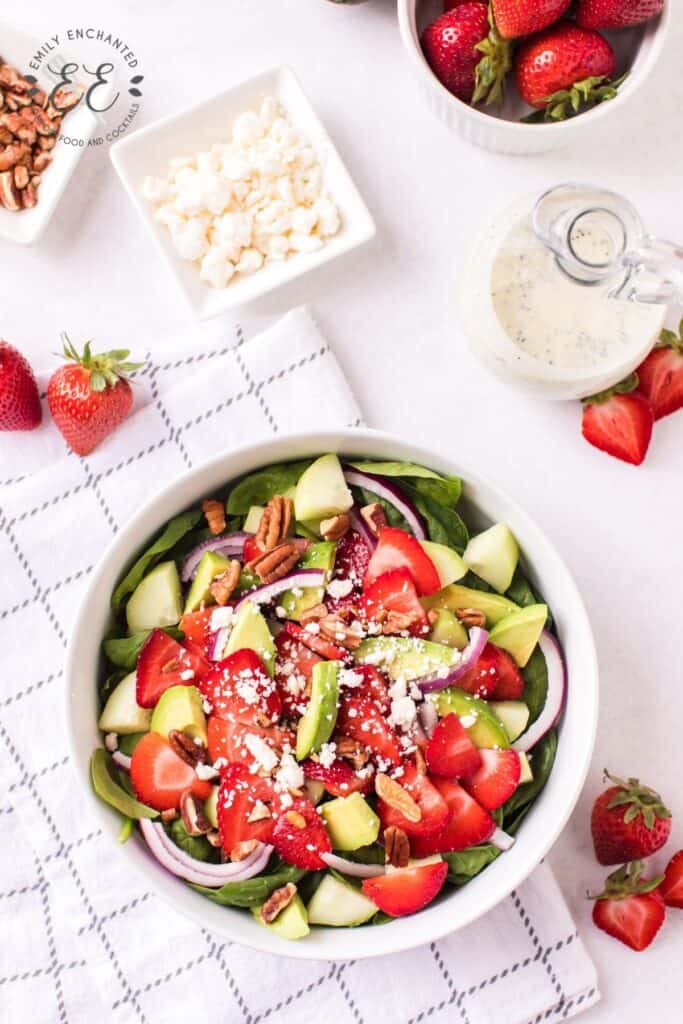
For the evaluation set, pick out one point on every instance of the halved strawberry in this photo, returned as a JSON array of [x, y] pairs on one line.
[[672, 886], [316, 643], [494, 677], [300, 836], [660, 376], [160, 777], [619, 421], [228, 739], [406, 890], [252, 549], [242, 796], [450, 752], [195, 625], [293, 668], [338, 778], [631, 908], [374, 687], [395, 592], [397, 549], [362, 720], [239, 689], [433, 807], [468, 824], [162, 663], [497, 778]]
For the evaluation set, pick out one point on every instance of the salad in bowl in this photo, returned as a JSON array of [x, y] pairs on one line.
[[325, 696]]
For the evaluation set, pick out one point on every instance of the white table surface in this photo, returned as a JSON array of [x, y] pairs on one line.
[[387, 310]]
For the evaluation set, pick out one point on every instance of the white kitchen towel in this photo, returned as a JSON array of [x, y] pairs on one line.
[[81, 940]]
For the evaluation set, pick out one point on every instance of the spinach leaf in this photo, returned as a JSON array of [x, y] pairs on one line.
[[444, 489], [522, 593], [172, 533], [259, 487], [129, 742], [123, 650], [365, 855], [196, 846], [309, 884], [394, 517], [381, 918], [465, 864], [444, 525], [254, 891], [107, 789], [542, 759], [475, 582], [535, 674]]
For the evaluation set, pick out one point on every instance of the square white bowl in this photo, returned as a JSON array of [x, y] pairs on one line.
[[26, 226], [196, 128]]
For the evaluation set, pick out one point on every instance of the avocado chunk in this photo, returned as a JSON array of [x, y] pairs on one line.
[[109, 790], [448, 630], [447, 562], [180, 707], [319, 556], [251, 630], [322, 491], [210, 566], [338, 904], [454, 597], [514, 714], [122, 713], [403, 657], [519, 632], [494, 555], [526, 773], [351, 822], [484, 728], [317, 723], [253, 520], [157, 601], [211, 807], [290, 923]]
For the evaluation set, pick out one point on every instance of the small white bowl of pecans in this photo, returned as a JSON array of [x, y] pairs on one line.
[[36, 161]]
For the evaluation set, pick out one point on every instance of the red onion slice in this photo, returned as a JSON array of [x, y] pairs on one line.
[[501, 839], [469, 658], [389, 492], [230, 544], [428, 717], [216, 643], [121, 759], [298, 578], [212, 876], [361, 527], [350, 867], [554, 702]]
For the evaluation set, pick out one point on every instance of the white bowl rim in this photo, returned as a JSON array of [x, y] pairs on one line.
[[659, 32], [435, 921]]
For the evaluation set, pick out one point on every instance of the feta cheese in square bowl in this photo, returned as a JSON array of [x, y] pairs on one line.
[[243, 192]]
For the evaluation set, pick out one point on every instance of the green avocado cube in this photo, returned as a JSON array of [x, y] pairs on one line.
[[351, 822], [290, 923], [210, 566]]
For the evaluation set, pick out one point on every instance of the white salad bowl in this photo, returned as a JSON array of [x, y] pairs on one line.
[[148, 151], [638, 49], [483, 502]]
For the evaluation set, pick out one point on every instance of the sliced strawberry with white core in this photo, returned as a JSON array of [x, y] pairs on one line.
[[432, 806], [239, 689], [468, 823], [496, 779], [163, 663], [406, 890], [450, 752]]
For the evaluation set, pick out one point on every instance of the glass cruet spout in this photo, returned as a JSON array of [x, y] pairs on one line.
[[599, 240]]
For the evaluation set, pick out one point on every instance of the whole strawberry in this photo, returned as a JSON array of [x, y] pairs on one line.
[[631, 908], [515, 18], [90, 396], [616, 13], [564, 69], [629, 821], [19, 398], [466, 53], [660, 375]]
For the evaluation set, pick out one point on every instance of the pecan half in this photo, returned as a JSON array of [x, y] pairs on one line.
[[352, 751], [215, 515], [397, 797], [275, 523], [275, 564], [277, 902], [335, 527], [169, 815], [65, 100], [21, 176], [214, 839], [334, 628], [470, 617], [13, 154], [314, 614], [186, 748], [10, 196], [41, 161], [242, 850], [398, 622], [47, 142], [396, 847], [374, 517], [222, 587], [195, 821]]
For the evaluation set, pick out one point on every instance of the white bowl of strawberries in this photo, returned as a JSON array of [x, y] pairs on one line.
[[521, 77]]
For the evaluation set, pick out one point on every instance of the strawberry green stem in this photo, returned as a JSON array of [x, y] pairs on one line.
[[106, 368]]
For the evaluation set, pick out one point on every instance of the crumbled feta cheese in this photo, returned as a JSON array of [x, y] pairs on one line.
[[403, 712], [290, 774], [327, 754], [187, 674], [222, 618], [260, 751], [205, 771], [467, 721], [280, 611], [347, 677], [339, 588]]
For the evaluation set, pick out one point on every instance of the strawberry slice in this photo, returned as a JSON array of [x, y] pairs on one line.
[[494, 677], [162, 663], [316, 643], [374, 687], [195, 625], [338, 778], [450, 752], [242, 796], [619, 421], [672, 886], [661, 375], [395, 592], [496, 779], [293, 668], [160, 777], [229, 740], [397, 549], [468, 824], [350, 563], [362, 720], [252, 549], [239, 689], [433, 807], [631, 908], [406, 890], [300, 836]]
